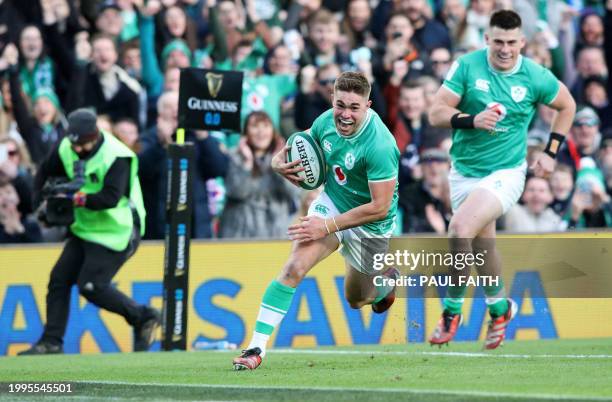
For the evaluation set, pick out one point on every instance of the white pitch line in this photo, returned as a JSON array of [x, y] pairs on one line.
[[424, 353], [417, 391], [62, 398]]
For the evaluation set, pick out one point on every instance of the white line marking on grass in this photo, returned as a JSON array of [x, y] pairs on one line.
[[80, 397], [424, 353], [416, 391]]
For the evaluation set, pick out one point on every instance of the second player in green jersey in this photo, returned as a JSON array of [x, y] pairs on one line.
[[488, 98]]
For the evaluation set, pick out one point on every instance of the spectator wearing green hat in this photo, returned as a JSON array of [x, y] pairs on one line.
[[44, 125], [591, 206], [176, 54]]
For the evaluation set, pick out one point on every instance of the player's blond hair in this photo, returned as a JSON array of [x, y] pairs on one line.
[[353, 81]]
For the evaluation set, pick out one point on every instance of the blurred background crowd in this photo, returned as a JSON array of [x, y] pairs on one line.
[[122, 58]]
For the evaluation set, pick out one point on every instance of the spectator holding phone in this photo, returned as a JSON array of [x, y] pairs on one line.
[[399, 44]]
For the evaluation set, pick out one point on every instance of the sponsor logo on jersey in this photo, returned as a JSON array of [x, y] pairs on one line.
[[518, 93], [349, 161], [482, 85], [327, 145], [339, 175]]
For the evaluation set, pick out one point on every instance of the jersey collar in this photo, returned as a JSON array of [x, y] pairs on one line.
[[517, 66], [361, 130]]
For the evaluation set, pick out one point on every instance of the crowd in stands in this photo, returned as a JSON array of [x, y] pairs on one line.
[[123, 58]]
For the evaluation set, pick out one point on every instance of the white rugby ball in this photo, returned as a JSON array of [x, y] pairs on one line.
[[306, 149]]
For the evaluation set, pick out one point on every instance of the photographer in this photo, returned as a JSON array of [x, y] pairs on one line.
[[108, 222]]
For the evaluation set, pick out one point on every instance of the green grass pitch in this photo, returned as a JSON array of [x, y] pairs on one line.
[[520, 370]]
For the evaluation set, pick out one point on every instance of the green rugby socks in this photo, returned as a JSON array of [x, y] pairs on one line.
[[496, 299], [454, 299], [274, 305]]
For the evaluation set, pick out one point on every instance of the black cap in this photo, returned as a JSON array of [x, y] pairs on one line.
[[105, 4], [82, 127], [434, 155]]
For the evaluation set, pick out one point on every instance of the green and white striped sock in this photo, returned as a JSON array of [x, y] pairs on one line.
[[274, 305], [496, 299], [454, 299]]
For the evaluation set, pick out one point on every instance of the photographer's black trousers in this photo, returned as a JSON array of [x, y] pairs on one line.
[[91, 267]]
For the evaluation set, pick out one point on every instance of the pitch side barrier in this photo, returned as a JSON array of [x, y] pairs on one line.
[[227, 279]]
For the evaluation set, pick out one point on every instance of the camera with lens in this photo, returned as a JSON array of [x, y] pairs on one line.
[[58, 192]]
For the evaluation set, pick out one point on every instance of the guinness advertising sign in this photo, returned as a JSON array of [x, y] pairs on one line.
[[210, 99], [179, 207]]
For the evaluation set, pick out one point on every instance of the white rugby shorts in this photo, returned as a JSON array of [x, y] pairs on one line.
[[506, 184], [351, 240]]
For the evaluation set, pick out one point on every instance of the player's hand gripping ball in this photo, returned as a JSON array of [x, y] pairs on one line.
[[306, 149], [498, 108]]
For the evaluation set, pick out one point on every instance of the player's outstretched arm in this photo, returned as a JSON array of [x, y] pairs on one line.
[[314, 228], [544, 163]]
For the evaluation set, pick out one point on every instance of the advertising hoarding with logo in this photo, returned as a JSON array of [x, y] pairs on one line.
[[210, 99]]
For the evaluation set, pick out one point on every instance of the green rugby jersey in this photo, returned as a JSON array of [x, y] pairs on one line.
[[369, 155], [478, 153]]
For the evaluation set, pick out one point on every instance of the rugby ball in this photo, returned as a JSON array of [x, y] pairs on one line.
[[306, 149], [497, 108]]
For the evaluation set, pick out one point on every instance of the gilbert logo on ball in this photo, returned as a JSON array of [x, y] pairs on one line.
[[306, 149], [499, 108]]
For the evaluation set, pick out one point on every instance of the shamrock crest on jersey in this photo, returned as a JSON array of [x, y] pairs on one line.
[[349, 161], [518, 93]]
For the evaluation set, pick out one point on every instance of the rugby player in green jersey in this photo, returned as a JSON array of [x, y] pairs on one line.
[[359, 202], [488, 98]]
